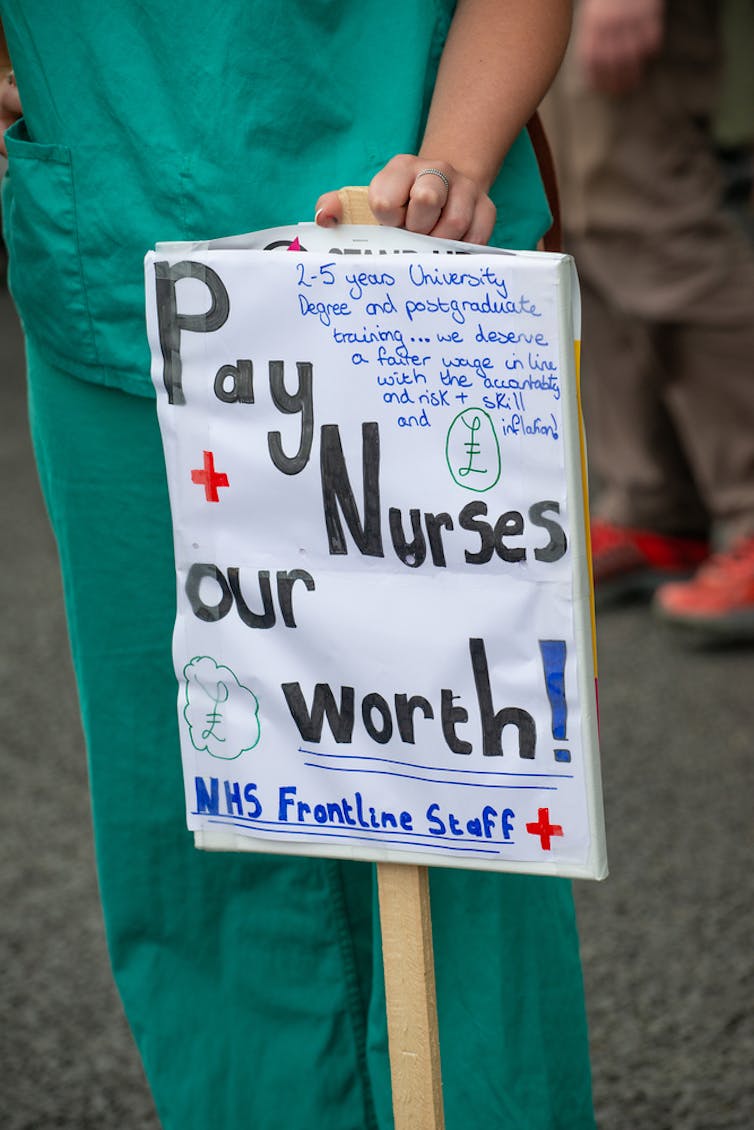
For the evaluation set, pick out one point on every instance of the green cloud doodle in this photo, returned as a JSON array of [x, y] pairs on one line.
[[221, 713]]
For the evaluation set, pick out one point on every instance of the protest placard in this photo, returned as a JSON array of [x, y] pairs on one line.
[[384, 640]]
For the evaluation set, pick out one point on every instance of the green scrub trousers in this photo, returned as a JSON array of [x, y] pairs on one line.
[[253, 983]]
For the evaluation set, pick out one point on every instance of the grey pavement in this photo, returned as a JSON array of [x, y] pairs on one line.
[[667, 939]]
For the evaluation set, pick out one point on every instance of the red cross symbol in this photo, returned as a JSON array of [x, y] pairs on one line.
[[209, 478], [544, 829]]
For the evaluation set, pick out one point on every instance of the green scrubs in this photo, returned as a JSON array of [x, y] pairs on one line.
[[253, 984]]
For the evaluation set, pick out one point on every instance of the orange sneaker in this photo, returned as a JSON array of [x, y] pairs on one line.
[[630, 563], [719, 598]]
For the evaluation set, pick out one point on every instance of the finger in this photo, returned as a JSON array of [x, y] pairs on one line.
[[390, 189], [428, 197], [468, 215], [617, 78], [10, 103], [329, 210], [10, 100], [483, 222], [457, 216], [617, 67]]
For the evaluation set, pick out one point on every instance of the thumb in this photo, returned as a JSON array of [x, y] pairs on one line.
[[329, 210]]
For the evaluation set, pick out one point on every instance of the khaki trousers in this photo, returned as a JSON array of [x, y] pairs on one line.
[[668, 289]]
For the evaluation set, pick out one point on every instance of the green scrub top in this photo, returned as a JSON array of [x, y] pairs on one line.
[[196, 120]]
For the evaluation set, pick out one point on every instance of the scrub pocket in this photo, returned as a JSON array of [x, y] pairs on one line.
[[44, 264]]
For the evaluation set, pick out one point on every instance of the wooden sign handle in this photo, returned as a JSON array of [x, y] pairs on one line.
[[408, 961], [406, 925], [356, 210]]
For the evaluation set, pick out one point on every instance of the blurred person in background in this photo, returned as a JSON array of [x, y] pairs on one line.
[[734, 118], [667, 281]]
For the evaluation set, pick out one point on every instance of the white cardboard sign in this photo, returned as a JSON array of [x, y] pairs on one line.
[[384, 638]]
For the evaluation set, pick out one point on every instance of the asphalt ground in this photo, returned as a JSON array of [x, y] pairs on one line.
[[667, 939]]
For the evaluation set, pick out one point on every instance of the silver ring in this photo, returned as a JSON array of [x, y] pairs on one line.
[[435, 173]]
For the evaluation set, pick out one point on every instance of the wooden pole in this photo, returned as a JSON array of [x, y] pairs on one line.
[[407, 954], [408, 961], [355, 205]]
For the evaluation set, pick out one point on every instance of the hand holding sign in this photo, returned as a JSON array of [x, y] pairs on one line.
[[421, 195]]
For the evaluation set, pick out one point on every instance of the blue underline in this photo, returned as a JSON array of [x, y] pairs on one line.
[[281, 825], [438, 768], [286, 828], [428, 780]]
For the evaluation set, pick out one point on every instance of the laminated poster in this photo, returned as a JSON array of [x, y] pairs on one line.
[[384, 643]]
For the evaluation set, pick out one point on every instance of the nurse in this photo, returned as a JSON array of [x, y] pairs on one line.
[[253, 983]]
